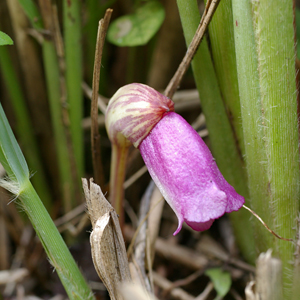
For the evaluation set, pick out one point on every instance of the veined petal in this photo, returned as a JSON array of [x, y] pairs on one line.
[[186, 173], [133, 111]]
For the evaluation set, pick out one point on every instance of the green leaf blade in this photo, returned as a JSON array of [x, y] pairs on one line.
[[138, 28], [11, 156], [221, 281], [5, 39]]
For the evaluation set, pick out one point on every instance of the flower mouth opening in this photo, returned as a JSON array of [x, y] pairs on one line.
[[200, 226]]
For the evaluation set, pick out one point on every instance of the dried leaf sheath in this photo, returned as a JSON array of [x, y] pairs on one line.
[[108, 248]]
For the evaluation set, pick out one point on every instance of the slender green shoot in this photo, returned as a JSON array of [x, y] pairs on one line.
[[59, 113], [19, 184], [73, 75], [24, 126]]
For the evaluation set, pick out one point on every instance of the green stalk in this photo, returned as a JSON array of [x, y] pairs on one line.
[[53, 77], [54, 94], [24, 126], [266, 76], [73, 55], [223, 52], [118, 169], [57, 251], [223, 144], [18, 183]]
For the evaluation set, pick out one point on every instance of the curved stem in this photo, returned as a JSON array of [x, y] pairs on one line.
[[118, 164]]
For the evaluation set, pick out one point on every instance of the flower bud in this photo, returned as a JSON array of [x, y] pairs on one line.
[[133, 111]]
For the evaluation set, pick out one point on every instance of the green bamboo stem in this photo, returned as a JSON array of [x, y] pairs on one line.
[[266, 76], [18, 183], [73, 75], [223, 144], [24, 126], [117, 176]]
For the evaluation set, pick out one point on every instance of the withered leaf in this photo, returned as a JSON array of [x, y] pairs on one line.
[[107, 243]]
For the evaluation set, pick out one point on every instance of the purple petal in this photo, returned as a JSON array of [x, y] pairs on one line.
[[184, 170]]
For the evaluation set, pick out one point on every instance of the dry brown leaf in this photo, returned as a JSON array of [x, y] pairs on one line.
[[107, 243], [132, 291]]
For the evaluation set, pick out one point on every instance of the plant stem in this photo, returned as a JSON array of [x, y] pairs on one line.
[[56, 101], [19, 184], [24, 126], [193, 45], [223, 144], [73, 75], [264, 39], [95, 136], [54, 94], [222, 41], [57, 251], [117, 169]]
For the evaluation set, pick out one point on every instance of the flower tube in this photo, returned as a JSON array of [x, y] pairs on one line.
[[179, 162]]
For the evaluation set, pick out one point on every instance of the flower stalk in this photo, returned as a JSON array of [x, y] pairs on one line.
[[117, 177]]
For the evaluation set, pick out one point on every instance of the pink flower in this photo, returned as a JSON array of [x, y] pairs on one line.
[[179, 162]]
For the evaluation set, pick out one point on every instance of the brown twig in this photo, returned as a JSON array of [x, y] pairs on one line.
[[204, 295], [130, 248], [210, 8], [183, 282], [265, 225], [141, 238], [176, 293], [95, 136]]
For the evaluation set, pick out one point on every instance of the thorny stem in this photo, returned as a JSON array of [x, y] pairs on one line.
[[95, 136], [210, 8]]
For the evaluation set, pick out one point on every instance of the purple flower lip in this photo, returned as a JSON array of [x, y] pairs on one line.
[[186, 173]]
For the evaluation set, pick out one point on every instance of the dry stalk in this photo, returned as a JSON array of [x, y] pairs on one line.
[[176, 253], [268, 283], [141, 238], [210, 8], [95, 136], [108, 248], [165, 284], [135, 292]]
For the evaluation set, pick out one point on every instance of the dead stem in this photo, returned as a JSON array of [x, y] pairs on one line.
[[95, 136], [130, 248], [183, 282], [210, 8], [176, 293]]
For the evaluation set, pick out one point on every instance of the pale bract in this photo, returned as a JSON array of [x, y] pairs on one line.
[[178, 160]]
